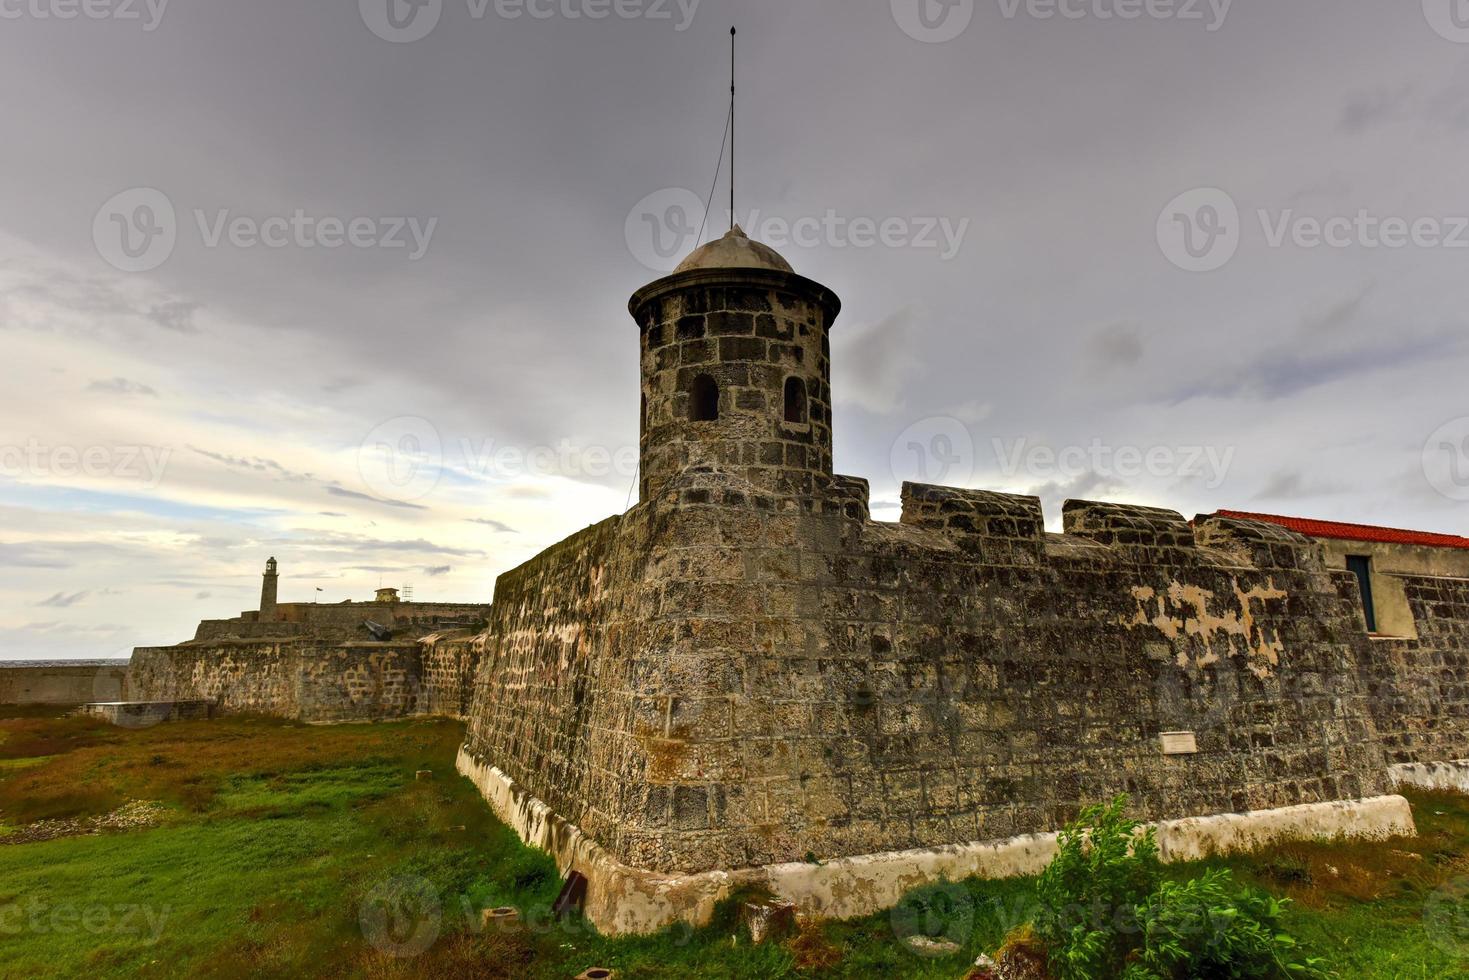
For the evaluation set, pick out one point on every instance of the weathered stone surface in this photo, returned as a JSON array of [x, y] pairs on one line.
[[768, 921], [312, 679], [622, 899], [746, 670], [707, 684], [321, 662], [143, 714], [63, 682]]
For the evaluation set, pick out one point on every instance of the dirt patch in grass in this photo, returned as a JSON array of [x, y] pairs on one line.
[[463, 955], [1319, 875], [811, 949]]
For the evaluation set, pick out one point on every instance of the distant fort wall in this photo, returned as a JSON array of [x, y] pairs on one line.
[[63, 682], [311, 679], [299, 618], [322, 663]]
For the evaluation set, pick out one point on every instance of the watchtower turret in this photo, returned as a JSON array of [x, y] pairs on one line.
[[736, 369]]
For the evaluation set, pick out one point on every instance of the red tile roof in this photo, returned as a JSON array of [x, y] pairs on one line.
[[1353, 532]]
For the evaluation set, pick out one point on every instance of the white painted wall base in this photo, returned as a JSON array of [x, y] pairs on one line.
[[623, 900], [1452, 776]]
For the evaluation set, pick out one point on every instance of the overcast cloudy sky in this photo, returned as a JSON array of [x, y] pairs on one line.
[[346, 284]]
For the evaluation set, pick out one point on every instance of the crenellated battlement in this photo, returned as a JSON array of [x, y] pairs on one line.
[[1258, 544], [1128, 527], [999, 527], [996, 527]]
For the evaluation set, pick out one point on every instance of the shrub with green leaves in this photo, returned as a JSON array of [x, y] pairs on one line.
[[1206, 928], [1107, 912], [1090, 892]]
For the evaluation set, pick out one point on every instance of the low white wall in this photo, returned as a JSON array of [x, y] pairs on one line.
[[1452, 776], [623, 900]]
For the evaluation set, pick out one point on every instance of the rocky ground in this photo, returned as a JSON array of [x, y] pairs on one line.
[[130, 816]]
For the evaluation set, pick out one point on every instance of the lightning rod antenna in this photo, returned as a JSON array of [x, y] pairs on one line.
[[732, 33]]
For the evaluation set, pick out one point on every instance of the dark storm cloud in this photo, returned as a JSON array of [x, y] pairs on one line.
[[175, 315], [530, 142], [1117, 344], [1364, 110], [1281, 372], [357, 495], [256, 464], [121, 386], [61, 600]]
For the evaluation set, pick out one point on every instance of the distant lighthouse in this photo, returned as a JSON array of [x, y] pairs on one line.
[[268, 592]]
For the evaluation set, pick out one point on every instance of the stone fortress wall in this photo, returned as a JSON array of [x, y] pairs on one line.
[[345, 618], [303, 679], [745, 671], [62, 682], [702, 684], [318, 663]]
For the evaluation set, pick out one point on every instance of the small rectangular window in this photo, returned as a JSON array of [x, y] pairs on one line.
[[1361, 567], [796, 401]]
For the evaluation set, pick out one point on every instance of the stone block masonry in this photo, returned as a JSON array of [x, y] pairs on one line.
[[62, 682], [745, 671], [708, 683], [144, 714], [318, 663], [312, 680]]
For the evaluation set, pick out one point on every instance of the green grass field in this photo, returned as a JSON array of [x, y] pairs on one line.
[[286, 850]]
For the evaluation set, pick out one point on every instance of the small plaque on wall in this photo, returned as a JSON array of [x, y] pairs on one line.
[[1179, 743]]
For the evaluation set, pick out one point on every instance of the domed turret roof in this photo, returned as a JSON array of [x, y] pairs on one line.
[[735, 251]]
